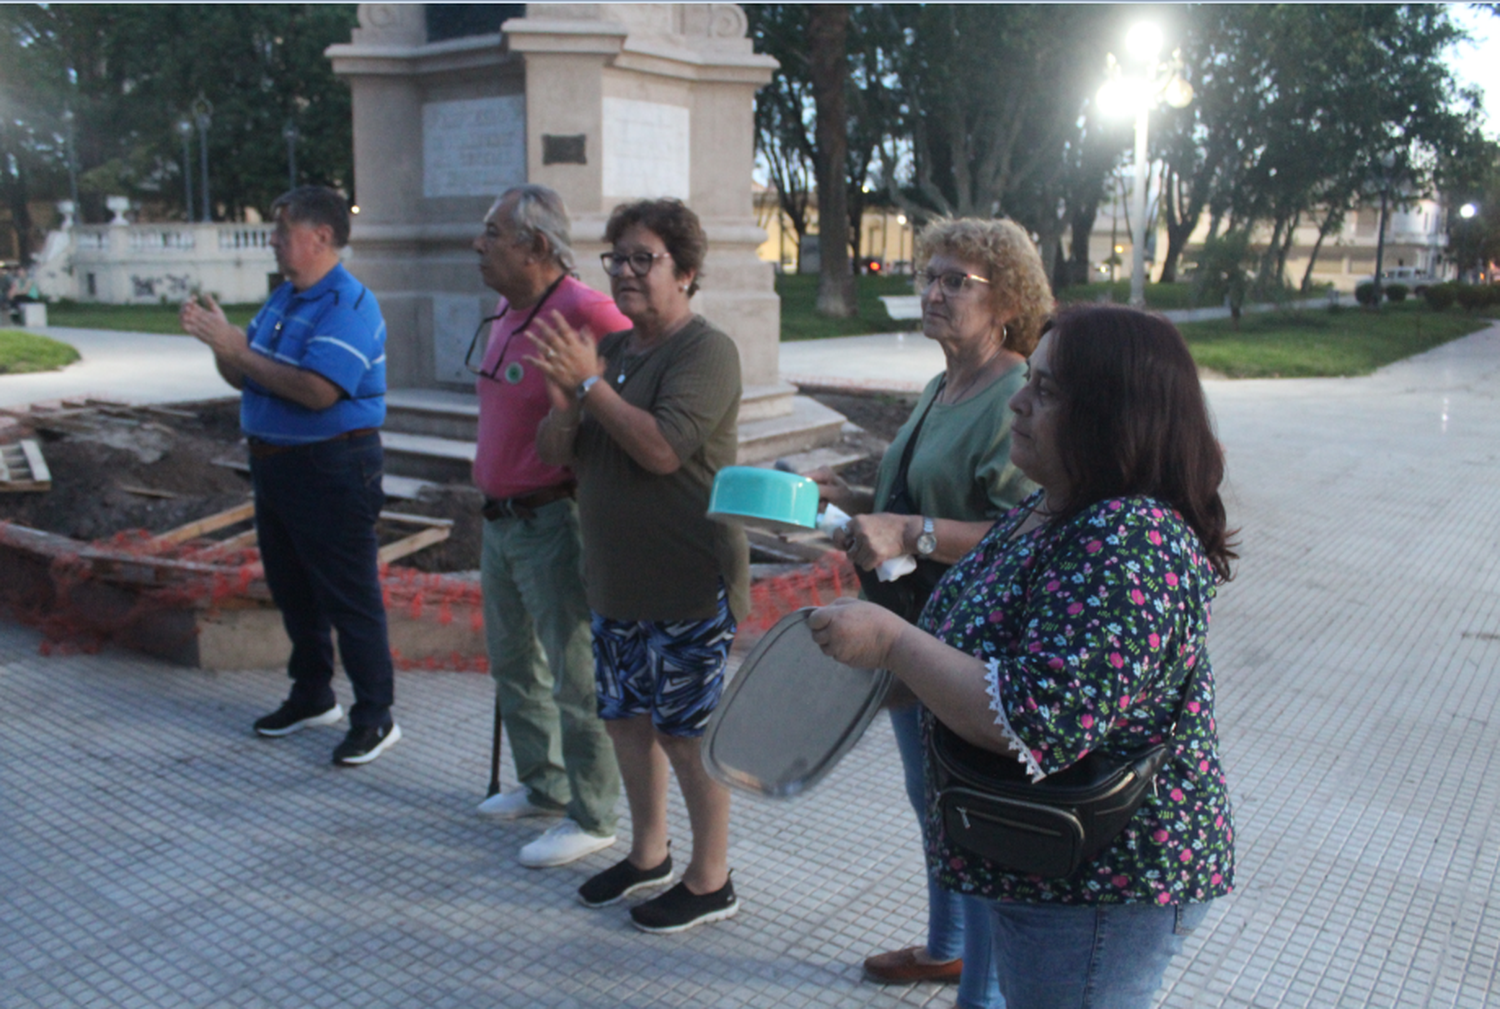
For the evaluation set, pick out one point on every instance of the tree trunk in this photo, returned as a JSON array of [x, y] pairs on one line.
[[1317, 247], [827, 39]]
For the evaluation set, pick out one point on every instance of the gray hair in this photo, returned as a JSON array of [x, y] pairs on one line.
[[539, 210]]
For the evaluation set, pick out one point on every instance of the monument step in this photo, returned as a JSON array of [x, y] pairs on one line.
[[411, 450], [438, 413], [427, 457], [444, 413], [810, 425]]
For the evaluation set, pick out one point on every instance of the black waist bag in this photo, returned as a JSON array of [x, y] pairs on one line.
[[1050, 828]]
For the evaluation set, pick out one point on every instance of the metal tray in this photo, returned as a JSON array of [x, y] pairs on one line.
[[790, 713]]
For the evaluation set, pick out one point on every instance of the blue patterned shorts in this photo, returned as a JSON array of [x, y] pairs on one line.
[[673, 670]]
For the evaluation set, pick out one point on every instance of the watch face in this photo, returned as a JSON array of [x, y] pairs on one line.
[[926, 543]]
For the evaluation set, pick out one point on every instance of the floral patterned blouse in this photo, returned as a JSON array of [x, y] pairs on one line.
[[1089, 630]]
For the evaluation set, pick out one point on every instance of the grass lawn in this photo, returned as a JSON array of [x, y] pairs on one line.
[[1313, 343], [21, 351], [799, 293], [133, 318]]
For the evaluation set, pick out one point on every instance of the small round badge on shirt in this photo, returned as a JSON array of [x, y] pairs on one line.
[[514, 373]]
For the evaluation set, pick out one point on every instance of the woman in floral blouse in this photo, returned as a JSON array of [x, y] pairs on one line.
[[1072, 627]]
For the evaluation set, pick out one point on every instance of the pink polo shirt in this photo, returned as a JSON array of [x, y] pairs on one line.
[[514, 401]]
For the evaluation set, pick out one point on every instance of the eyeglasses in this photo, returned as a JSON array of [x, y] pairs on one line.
[[952, 280], [640, 262], [477, 368], [483, 328]]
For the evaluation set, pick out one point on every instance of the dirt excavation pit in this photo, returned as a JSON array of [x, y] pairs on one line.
[[117, 469]]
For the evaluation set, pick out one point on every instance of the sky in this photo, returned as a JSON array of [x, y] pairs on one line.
[[1479, 62]]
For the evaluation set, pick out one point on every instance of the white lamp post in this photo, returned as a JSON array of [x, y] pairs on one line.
[[1157, 82]]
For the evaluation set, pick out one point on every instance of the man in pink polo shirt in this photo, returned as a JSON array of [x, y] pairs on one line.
[[536, 618]]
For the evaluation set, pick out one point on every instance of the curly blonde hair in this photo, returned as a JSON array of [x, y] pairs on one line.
[[1018, 281]]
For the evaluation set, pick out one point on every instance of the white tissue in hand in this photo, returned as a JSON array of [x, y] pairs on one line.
[[835, 518], [896, 567], [832, 520]]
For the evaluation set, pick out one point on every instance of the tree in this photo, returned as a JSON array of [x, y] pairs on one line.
[[783, 108], [827, 40], [1223, 274], [1297, 110], [129, 72]]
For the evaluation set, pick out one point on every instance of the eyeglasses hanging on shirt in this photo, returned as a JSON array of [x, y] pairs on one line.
[[483, 327]]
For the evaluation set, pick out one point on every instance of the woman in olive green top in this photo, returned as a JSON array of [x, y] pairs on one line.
[[646, 421], [984, 299]]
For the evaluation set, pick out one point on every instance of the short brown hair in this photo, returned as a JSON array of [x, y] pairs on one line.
[[1135, 422], [1018, 281], [317, 205], [674, 223]]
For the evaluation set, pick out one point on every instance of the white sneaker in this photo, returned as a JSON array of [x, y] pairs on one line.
[[513, 805], [564, 843]]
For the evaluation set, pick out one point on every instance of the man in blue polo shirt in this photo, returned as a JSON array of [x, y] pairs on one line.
[[311, 366]]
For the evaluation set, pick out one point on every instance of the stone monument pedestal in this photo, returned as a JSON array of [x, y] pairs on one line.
[[604, 103]]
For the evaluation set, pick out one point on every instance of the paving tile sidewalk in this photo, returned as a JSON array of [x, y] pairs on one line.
[[153, 853]]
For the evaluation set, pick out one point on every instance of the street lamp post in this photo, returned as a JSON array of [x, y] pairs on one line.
[[203, 115], [68, 121], [185, 130], [1468, 212], [1159, 82], [289, 134]]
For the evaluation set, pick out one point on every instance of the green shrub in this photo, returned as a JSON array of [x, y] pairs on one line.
[[1397, 292], [1440, 297], [1365, 293], [1472, 296]]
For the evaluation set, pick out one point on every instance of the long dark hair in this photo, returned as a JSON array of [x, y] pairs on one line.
[[1134, 420]]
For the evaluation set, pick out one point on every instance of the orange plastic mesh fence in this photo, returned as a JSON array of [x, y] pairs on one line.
[[154, 577]]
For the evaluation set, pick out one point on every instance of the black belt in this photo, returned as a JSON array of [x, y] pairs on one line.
[[525, 506], [264, 449]]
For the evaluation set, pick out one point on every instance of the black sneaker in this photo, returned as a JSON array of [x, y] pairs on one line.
[[680, 908], [364, 743], [622, 879], [291, 716]]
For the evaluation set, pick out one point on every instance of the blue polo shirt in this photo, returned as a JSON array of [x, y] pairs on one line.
[[334, 328]]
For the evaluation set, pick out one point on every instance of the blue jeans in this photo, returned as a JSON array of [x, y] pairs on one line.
[[315, 512], [956, 925], [1100, 956]]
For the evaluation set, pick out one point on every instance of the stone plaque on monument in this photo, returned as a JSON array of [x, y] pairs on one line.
[[454, 319], [646, 152], [473, 147]]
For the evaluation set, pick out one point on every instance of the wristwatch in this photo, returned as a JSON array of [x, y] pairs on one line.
[[583, 387], [927, 542]]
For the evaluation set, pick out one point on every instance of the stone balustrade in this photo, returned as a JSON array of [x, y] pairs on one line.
[[124, 263]]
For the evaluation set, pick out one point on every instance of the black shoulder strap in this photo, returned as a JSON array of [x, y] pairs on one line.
[[898, 485]]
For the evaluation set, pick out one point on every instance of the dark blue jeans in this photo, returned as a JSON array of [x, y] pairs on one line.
[[315, 513]]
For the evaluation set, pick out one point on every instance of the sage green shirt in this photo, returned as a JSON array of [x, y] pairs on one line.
[[650, 550], [961, 468]]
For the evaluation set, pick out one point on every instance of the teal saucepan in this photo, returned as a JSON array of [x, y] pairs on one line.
[[765, 497]]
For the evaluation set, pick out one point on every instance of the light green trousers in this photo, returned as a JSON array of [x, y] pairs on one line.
[[536, 626]]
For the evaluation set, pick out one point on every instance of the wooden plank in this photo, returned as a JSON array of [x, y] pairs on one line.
[[791, 550], [33, 452], [167, 411], [411, 544], [415, 520], [129, 488], [228, 517]]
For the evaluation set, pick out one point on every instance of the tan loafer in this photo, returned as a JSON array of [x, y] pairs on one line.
[[902, 967]]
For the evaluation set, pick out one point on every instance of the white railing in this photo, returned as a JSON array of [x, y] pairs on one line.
[[250, 236], [153, 240], [136, 263]]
